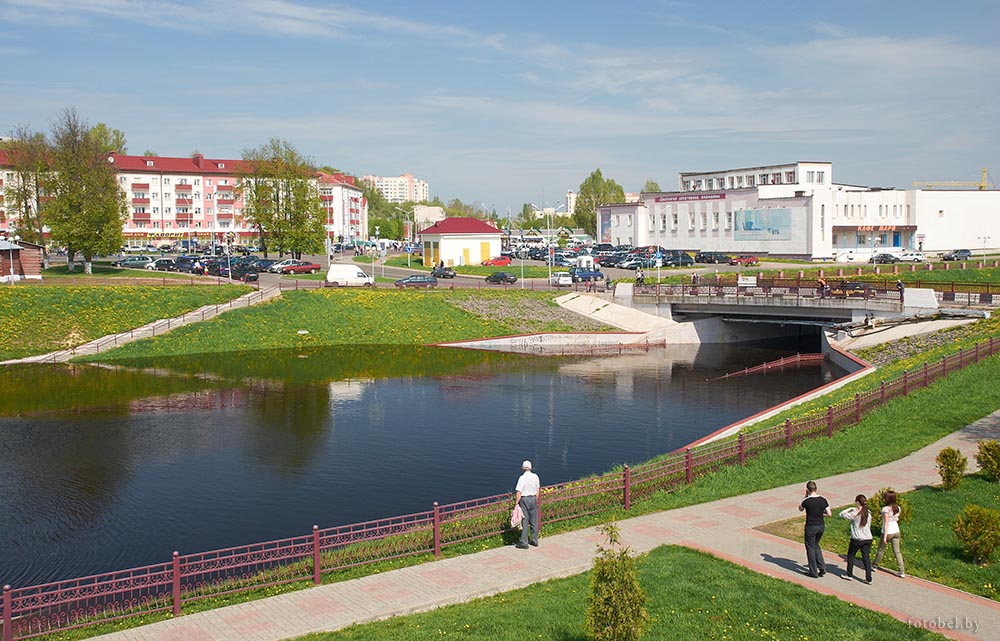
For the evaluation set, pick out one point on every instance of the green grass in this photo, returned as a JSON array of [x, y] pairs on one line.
[[41, 319], [690, 596], [105, 270], [929, 546]]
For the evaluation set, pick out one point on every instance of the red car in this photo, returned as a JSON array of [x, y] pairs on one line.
[[301, 267], [745, 260], [499, 261]]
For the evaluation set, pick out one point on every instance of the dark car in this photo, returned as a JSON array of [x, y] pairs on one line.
[[677, 260], [443, 272], [886, 259], [583, 274], [502, 278], [845, 289], [417, 280], [186, 263], [958, 254], [163, 265], [136, 262], [262, 264], [712, 257]]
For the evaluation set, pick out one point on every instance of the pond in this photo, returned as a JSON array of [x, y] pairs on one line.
[[107, 468]]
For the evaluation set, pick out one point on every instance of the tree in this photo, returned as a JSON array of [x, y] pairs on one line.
[[616, 607], [108, 139], [29, 155], [282, 202], [149, 153], [594, 192], [87, 210], [526, 219], [651, 186]]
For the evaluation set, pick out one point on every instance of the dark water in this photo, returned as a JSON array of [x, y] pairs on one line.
[[104, 469]]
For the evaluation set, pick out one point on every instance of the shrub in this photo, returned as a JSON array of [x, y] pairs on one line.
[[951, 464], [876, 502], [988, 458], [616, 607], [978, 530]]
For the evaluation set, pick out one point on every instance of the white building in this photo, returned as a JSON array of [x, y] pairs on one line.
[[460, 241], [398, 189], [797, 210]]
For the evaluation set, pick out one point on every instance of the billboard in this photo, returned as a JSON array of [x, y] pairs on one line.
[[605, 226], [762, 224]]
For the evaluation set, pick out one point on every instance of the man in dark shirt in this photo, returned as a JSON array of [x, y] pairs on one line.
[[815, 507]]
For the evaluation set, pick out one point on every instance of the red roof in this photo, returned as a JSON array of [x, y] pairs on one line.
[[460, 226], [156, 164], [335, 179]]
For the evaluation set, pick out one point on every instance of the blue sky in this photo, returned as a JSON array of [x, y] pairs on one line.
[[510, 102]]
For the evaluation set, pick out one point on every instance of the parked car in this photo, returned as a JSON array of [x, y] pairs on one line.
[[275, 268], [348, 275], [443, 272], [744, 260], [584, 274], [499, 261], [245, 273], [885, 259], [262, 264], [909, 256], [958, 254], [185, 263], [561, 279], [677, 260], [845, 289], [502, 278], [133, 262], [301, 267], [712, 257], [417, 280], [163, 265], [131, 249]]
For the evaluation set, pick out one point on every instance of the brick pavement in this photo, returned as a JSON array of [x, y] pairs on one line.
[[723, 528]]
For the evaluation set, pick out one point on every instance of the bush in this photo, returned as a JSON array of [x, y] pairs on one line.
[[876, 502], [616, 607], [978, 529], [951, 465], [988, 458]]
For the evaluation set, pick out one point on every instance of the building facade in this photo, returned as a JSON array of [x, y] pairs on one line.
[[399, 189], [797, 210], [199, 198], [460, 241]]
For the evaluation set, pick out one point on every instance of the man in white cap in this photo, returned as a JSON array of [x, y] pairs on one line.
[[527, 498]]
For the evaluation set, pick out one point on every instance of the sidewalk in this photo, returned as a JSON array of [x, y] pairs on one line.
[[722, 528]]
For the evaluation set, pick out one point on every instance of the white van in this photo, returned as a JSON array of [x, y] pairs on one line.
[[345, 275]]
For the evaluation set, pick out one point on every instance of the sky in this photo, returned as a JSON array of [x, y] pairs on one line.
[[505, 103]]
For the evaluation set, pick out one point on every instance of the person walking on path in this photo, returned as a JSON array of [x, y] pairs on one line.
[[890, 532], [640, 277], [861, 537], [816, 507], [527, 498]]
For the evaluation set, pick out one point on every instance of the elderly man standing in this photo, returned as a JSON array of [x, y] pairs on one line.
[[527, 498]]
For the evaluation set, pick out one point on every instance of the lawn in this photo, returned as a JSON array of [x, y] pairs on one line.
[[41, 319], [105, 270], [930, 549], [690, 596]]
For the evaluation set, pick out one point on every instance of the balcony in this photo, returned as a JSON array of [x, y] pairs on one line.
[[140, 186], [225, 201], [183, 202], [221, 216], [140, 201], [182, 187], [143, 217], [325, 199], [183, 216]]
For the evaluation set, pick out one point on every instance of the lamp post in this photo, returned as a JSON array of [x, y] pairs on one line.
[[410, 236], [984, 240], [548, 211]]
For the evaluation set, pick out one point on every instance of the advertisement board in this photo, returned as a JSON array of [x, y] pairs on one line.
[[762, 224]]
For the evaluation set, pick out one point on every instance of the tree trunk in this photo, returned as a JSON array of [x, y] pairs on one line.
[[88, 266]]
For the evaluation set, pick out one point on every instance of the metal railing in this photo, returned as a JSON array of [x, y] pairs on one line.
[[102, 598], [788, 361]]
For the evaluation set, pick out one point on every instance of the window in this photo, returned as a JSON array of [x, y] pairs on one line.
[[715, 221], [197, 210], [820, 177], [750, 181], [182, 181], [762, 179], [686, 185], [704, 221], [822, 222], [789, 176], [223, 181], [652, 221], [222, 165], [166, 194], [166, 181], [166, 210], [156, 210], [149, 163], [208, 196], [691, 220], [197, 181], [729, 220], [810, 176], [197, 195], [673, 222], [208, 182], [122, 180]]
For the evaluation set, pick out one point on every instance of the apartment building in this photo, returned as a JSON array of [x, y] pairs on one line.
[[398, 189]]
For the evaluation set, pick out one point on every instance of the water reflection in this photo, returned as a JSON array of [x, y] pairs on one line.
[[105, 468]]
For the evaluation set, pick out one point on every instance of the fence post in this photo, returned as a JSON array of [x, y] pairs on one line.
[[742, 446], [927, 379], [944, 366], [8, 619], [788, 433], [857, 408], [977, 352], [437, 529], [961, 358], [881, 392], [177, 584], [829, 420], [628, 488], [688, 462], [906, 383], [317, 564]]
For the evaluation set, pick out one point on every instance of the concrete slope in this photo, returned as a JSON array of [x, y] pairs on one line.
[[601, 308]]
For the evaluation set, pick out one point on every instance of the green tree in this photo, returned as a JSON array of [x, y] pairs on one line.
[[282, 201], [149, 153], [525, 219], [108, 139], [29, 156], [651, 186], [87, 210], [616, 606], [594, 192]]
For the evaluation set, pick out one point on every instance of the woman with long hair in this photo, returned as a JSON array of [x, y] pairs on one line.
[[890, 531], [861, 537]]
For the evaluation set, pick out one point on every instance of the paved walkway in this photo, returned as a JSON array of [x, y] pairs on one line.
[[723, 528]]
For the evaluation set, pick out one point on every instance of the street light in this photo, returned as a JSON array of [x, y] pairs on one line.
[[548, 211], [984, 240], [411, 236]]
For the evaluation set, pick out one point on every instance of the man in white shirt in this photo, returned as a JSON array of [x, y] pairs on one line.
[[527, 498]]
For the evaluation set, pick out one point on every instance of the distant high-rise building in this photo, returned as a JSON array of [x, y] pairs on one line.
[[570, 202], [398, 189]]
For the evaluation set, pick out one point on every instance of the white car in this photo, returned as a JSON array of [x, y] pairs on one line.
[[276, 267], [912, 256], [561, 279]]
